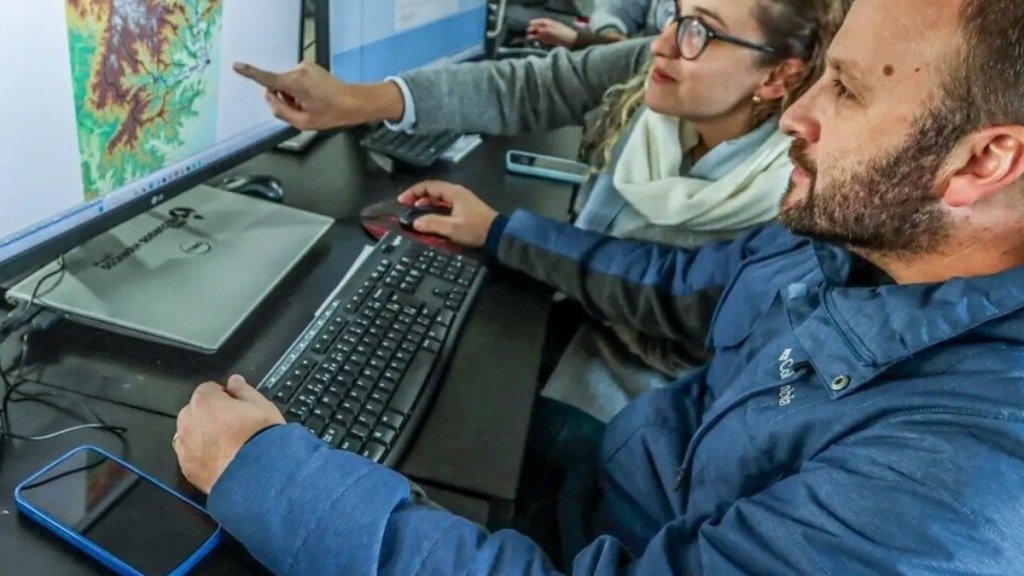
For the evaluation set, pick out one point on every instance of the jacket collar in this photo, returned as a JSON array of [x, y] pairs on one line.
[[856, 332]]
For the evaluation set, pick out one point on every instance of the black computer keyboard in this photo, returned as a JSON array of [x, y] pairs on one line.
[[363, 373], [418, 151]]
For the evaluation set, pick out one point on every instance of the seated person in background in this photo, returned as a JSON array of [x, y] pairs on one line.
[[684, 145], [612, 21], [863, 410]]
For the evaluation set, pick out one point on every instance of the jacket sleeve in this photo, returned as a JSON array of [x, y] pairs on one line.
[[302, 508], [519, 95], [657, 289]]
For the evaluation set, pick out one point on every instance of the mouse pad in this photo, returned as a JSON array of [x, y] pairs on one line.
[[381, 218]]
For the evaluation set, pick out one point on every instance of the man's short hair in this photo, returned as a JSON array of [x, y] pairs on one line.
[[987, 83]]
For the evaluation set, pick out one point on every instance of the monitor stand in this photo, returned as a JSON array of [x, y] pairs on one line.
[[186, 273]]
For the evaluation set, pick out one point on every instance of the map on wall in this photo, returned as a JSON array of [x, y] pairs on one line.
[[145, 76]]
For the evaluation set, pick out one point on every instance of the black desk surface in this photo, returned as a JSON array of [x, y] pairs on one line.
[[468, 454]]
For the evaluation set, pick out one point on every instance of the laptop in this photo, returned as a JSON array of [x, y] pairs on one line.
[[186, 273]]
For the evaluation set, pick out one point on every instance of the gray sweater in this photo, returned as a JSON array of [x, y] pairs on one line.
[[631, 17], [533, 94]]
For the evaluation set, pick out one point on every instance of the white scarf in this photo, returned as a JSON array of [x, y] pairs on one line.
[[647, 176]]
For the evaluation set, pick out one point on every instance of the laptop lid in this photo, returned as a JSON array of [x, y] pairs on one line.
[[187, 273]]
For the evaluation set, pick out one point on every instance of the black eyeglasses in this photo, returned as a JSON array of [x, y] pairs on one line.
[[693, 37]]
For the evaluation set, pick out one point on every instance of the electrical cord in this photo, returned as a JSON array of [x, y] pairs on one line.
[[13, 395], [36, 319], [59, 273]]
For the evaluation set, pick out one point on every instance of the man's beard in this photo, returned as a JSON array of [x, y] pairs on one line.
[[890, 206]]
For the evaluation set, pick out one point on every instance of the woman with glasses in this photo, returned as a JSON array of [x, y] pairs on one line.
[[611, 21], [681, 133]]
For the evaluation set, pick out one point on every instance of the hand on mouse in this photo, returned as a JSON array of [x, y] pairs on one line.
[[214, 426], [470, 217], [551, 32], [310, 98]]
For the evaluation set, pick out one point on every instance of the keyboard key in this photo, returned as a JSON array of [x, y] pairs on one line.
[[344, 418], [383, 434], [411, 384], [304, 366], [316, 425], [393, 420], [333, 435], [374, 451], [360, 431], [331, 399], [366, 419], [351, 444], [387, 386], [437, 332], [375, 405], [359, 395], [445, 318]]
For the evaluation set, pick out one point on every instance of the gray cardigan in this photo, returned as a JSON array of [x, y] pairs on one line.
[[534, 94]]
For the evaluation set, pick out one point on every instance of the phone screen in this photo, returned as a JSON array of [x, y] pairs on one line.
[[125, 514], [547, 163]]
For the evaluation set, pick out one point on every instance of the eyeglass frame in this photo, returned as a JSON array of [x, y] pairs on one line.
[[712, 34]]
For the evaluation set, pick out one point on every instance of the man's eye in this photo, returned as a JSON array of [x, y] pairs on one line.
[[842, 92]]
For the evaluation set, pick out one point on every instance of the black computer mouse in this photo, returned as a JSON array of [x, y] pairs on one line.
[[407, 218], [260, 186]]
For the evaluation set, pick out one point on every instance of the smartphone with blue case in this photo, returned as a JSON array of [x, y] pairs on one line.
[[114, 512], [549, 167]]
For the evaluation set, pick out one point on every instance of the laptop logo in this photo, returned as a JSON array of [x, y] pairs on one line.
[[196, 247], [179, 218], [183, 214]]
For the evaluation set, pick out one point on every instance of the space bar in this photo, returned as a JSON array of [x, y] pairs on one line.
[[413, 382]]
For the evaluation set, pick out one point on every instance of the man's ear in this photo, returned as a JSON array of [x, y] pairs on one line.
[[985, 163], [782, 78]]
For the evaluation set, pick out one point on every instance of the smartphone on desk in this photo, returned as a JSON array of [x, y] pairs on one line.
[[123, 518], [550, 167]]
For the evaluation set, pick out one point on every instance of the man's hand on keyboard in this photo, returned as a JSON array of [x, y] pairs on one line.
[[470, 217], [214, 426], [310, 98]]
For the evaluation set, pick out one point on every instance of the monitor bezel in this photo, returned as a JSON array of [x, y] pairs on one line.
[[49, 250], [322, 25]]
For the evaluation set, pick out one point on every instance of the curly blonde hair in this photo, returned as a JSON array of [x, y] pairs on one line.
[[795, 28]]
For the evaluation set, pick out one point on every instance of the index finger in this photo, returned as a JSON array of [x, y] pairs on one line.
[[262, 77], [429, 189]]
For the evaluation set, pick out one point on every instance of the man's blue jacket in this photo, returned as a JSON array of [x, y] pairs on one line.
[[846, 425]]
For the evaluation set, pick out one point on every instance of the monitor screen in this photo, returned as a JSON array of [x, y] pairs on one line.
[[111, 106], [373, 39]]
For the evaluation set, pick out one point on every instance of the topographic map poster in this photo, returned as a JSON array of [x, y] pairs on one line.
[[145, 76]]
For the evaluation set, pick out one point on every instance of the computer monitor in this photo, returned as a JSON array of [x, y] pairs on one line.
[[109, 108], [369, 40]]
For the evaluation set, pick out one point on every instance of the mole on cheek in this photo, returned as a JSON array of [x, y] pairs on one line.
[[888, 70]]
